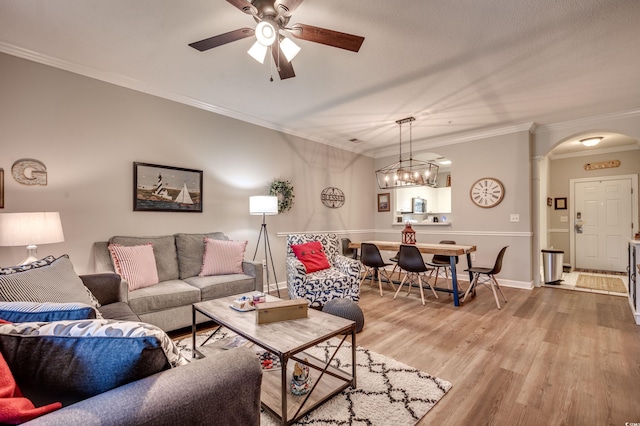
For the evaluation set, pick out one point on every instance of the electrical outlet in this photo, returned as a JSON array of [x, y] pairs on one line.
[[473, 257], [264, 263], [515, 217], [564, 218]]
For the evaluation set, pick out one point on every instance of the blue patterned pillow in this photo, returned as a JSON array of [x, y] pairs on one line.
[[69, 361], [45, 312]]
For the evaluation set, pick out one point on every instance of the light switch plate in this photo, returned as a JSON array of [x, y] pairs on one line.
[[515, 217]]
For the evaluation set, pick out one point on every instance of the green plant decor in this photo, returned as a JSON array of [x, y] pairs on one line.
[[284, 191]]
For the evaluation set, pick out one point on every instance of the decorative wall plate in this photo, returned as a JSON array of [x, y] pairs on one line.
[[332, 197], [487, 192]]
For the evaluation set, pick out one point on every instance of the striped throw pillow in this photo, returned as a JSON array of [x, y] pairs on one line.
[[45, 281], [135, 264], [45, 312], [222, 257]]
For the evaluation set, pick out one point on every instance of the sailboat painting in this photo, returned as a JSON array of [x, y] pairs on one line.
[[166, 189]]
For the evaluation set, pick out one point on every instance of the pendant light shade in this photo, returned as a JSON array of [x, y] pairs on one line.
[[407, 173]]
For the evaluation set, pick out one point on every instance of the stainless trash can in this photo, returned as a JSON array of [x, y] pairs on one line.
[[552, 265]]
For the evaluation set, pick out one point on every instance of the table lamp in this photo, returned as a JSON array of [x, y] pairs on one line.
[[265, 205], [30, 229]]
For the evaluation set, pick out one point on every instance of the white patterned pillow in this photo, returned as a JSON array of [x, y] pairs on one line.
[[222, 257], [135, 264], [45, 280]]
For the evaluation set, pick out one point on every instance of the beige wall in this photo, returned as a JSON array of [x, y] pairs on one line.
[[89, 133], [507, 158], [562, 171]]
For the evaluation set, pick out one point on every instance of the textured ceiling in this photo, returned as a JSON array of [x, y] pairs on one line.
[[459, 67]]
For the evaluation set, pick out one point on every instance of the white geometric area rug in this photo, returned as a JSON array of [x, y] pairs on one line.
[[388, 392]]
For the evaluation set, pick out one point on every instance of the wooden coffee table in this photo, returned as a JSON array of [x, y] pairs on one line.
[[288, 341]]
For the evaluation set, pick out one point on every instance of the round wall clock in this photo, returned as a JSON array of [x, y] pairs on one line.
[[332, 197], [487, 192]]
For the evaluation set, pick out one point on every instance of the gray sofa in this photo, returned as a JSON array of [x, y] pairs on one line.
[[178, 260], [215, 390], [220, 389]]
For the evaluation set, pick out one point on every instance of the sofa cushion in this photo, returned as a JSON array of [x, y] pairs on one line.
[[164, 250], [135, 264], [73, 360], [311, 255], [118, 311], [45, 312], [216, 286], [164, 295], [222, 257], [53, 281], [191, 251]]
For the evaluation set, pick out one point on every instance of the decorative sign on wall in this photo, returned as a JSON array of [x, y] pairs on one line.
[[332, 197], [28, 171], [602, 165]]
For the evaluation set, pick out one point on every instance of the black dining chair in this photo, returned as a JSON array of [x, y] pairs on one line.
[[441, 263], [374, 265], [490, 278], [394, 259], [410, 260]]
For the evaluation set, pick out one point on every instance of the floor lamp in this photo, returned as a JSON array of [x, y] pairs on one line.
[[265, 205]]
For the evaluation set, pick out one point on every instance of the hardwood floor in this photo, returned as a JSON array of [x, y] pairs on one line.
[[549, 357]]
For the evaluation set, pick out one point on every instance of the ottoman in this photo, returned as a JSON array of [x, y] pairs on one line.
[[347, 309]]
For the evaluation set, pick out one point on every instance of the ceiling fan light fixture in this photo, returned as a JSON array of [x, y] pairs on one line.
[[266, 32], [591, 141], [289, 48], [258, 51]]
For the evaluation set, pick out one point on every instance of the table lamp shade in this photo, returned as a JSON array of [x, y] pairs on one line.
[[21, 229], [263, 204]]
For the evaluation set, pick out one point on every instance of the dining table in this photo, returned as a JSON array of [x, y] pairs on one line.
[[451, 250]]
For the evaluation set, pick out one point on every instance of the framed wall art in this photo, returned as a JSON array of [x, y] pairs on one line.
[[166, 189], [384, 202], [561, 203]]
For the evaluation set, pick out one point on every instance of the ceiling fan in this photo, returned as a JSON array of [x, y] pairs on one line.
[[272, 18]]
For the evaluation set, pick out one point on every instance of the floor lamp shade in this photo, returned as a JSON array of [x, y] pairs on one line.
[[30, 229], [263, 204]]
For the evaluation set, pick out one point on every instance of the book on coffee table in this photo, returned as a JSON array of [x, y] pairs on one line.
[[235, 342]]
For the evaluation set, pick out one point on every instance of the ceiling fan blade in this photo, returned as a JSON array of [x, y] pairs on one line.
[[219, 40], [328, 37], [244, 6], [285, 69], [286, 7]]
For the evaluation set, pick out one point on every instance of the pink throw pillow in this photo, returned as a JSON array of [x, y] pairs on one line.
[[135, 264], [311, 255], [222, 257]]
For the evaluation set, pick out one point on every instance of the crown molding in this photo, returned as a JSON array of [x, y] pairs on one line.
[[587, 121], [465, 137], [147, 88], [592, 152]]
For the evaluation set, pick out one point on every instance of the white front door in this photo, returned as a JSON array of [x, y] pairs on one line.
[[602, 212]]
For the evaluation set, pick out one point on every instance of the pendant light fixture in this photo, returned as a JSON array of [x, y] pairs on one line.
[[407, 173]]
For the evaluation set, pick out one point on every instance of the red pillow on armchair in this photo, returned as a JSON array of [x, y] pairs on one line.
[[311, 255]]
